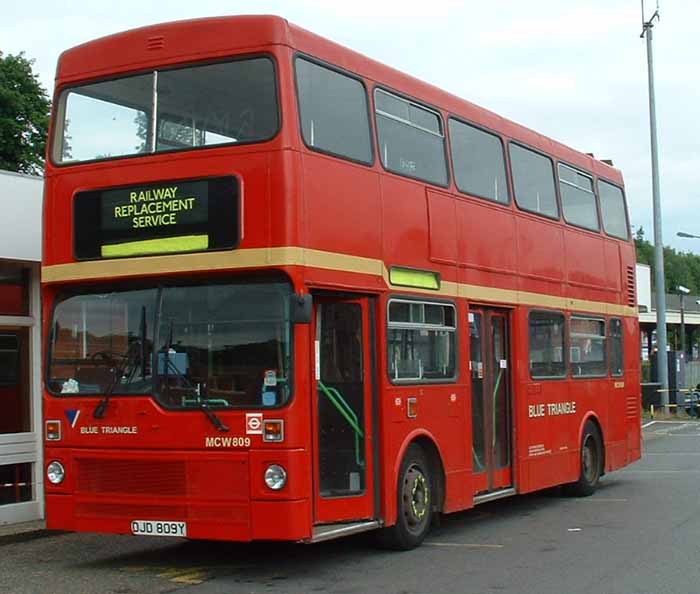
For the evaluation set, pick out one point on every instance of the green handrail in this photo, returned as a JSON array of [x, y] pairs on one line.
[[199, 401], [348, 414]]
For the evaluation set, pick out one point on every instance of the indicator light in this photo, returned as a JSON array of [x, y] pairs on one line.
[[273, 430], [53, 430]]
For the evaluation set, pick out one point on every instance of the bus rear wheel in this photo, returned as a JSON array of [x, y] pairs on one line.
[[415, 503], [591, 463]]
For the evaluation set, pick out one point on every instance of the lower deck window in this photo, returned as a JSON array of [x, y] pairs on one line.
[[547, 344], [422, 341], [617, 354], [587, 353]]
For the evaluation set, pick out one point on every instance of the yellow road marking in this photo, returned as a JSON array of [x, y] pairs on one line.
[[177, 575], [192, 578], [186, 575]]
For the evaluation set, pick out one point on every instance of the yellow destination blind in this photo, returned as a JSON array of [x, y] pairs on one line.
[[167, 245]]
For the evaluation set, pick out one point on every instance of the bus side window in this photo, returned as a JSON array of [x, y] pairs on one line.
[[422, 341], [577, 198], [333, 110], [411, 138], [478, 160], [613, 211], [547, 345], [533, 181], [588, 354], [617, 352]]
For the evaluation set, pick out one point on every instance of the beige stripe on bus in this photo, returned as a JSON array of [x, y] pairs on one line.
[[298, 256]]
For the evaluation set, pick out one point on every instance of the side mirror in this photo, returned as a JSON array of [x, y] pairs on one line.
[[300, 308]]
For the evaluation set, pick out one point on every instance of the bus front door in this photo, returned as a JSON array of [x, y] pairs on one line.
[[343, 473], [491, 400]]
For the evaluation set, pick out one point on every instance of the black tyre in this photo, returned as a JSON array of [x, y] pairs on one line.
[[415, 503], [591, 463]]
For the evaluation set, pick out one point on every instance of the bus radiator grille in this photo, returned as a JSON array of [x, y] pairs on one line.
[[91, 509], [131, 477]]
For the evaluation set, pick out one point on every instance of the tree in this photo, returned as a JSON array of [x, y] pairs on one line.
[[24, 116], [645, 251], [680, 268]]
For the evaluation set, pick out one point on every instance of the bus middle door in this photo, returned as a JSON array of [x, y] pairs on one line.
[[491, 399]]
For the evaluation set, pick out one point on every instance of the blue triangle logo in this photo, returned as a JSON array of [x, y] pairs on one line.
[[72, 416]]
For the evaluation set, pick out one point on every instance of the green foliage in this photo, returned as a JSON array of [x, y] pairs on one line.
[[24, 116], [680, 268], [645, 250]]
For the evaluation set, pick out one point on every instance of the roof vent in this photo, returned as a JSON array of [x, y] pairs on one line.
[[156, 42], [608, 162]]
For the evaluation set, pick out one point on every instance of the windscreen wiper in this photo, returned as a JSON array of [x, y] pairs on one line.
[[202, 403], [101, 407], [212, 416], [134, 352]]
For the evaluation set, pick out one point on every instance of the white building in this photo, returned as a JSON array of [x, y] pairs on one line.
[[21, 466]]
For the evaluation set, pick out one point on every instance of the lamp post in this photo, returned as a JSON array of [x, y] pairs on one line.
[[687, 235], [692, 348], [659, 281], [682, 292]]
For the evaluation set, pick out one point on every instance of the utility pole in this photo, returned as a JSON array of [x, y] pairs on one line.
[[682, 292], [661, 356]]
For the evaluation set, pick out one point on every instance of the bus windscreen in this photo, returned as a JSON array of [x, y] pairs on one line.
[[225, 345]]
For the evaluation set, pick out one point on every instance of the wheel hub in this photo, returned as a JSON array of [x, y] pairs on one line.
[[590, 462], [416, 496]]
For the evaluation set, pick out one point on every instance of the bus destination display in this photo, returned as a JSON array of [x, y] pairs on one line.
[[161, 218]]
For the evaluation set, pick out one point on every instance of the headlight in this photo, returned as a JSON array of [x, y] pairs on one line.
[[55, 473], [275, 477]]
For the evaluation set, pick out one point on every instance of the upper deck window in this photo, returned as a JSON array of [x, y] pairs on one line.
[[578, 198], [478, 162], [183, 108], [533, 181], [411, 139], [612, 209], [334, 113]]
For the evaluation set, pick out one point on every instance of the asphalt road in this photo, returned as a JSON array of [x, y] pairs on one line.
[[640, 533]]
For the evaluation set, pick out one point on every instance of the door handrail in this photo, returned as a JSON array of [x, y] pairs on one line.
[[348, 414]]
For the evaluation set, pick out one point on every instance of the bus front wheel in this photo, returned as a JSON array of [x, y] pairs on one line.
[[591, 463], [415, 503]]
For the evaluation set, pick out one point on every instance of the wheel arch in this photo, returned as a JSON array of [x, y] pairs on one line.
[[593, 418], [428, 444]]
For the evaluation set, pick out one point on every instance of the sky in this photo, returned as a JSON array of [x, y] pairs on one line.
[[575, 70]]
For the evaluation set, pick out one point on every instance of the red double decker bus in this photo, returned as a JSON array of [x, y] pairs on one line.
[[291, 293]]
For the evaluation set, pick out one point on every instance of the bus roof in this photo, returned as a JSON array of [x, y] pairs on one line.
[[191, 40]]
